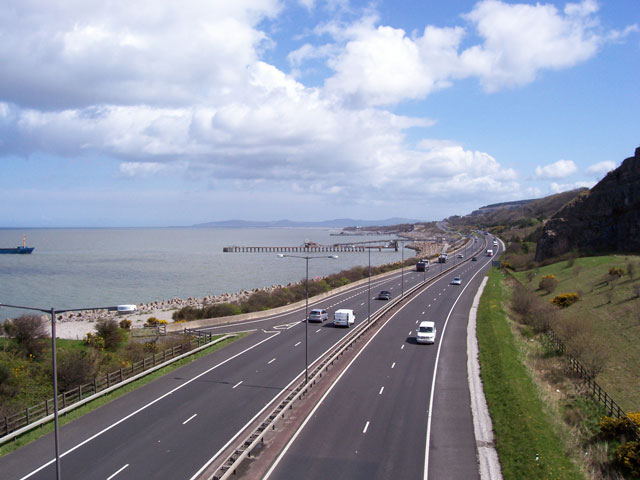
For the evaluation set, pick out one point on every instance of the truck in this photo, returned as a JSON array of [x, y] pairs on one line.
[[422, 265], [443, 258], [489, 253]]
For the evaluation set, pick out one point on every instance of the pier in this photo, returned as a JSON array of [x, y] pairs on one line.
[[311, 247]]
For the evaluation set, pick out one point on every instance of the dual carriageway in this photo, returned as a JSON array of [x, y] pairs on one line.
[[387, 416]]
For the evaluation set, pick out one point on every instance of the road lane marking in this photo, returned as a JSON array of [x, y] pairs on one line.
[[271, 361], [381, 390], [402, 347], [393, 364], [366, 426], [410, 332], [238, 384], [362, 304], [318, 330], [297, 344], [144, 407], [109, 478], [190, 418]]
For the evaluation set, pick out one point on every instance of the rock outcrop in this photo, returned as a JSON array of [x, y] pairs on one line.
[[603, 220]]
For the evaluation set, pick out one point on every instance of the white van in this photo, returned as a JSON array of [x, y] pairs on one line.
[[426, 332], [489, 253], [343, 318]]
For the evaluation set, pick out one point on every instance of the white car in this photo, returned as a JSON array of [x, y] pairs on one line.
[[426, 332], [460, 255], [456, 281]]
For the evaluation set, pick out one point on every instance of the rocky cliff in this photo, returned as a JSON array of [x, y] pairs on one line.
[[604, 219]]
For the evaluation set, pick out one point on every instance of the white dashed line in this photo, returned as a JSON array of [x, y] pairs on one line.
[[109, 478], [297, 344], [318, 330], [271, 361], [238, 384], [381, 390], [402, 347], [393, 364], [190, 418], [366, 426]]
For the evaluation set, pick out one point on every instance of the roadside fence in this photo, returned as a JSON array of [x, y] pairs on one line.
[[40, 411]]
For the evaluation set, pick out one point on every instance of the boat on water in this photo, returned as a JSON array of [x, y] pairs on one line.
[[19, 249]]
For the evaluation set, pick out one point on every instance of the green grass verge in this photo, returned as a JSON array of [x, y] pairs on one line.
[[522, 428], [80, 411]]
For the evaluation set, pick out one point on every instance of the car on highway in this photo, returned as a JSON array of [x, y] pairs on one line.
[[426, 332], [344, 317], [460, 255], [456, 281], [384, 295], [318, 315], [474, 259]]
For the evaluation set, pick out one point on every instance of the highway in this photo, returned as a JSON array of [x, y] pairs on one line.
[[386, 417], [177, 424]]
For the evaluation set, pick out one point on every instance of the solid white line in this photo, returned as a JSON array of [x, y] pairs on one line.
[[238, 384], [144, 407], [433, 383], [297, 344], [190, 418], [109, 478], [366, 426], [271, 361], [381, 390]]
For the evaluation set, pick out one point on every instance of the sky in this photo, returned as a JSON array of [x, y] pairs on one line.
[[164, 113]]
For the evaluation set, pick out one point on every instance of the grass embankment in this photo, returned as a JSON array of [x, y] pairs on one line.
[[80, 411], [524, 432], [608, 309]]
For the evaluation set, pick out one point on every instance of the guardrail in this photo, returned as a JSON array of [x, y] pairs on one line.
[[243, 450], [13, 425]]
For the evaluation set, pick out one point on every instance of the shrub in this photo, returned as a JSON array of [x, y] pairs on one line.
[[28, 332], [522, 301], [151, 347], [565, 299], [125, 324], [94, 341], [631, 269], [109, 330], [616, 272], [623, 427], [628, 458], [76, 367], [506, 265], [548, 283], [636, 290]]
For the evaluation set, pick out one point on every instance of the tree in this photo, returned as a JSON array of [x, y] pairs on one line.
[[108, 329], [28, 332]]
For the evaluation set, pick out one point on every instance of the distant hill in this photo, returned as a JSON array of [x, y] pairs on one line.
[[336, 223], [521, 219], [602, 220]]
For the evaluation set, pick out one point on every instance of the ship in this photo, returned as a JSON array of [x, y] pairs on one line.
[[19, 249]]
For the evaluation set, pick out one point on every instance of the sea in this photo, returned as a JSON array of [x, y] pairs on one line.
[[82, 268]]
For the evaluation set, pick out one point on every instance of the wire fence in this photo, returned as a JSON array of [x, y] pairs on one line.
[[11, 423]]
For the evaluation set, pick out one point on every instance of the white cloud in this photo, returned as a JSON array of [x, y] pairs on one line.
[[600, 168], [559, 169], [521, 39], [563, 187], [140, 169]]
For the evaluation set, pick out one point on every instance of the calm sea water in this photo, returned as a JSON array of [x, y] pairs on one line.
[[75, 268]]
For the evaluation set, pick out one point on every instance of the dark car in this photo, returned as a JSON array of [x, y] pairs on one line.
[[318, 315], [384, 295], [474, 259]]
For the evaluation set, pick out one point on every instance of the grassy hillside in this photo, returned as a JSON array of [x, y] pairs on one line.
[[608, 311]]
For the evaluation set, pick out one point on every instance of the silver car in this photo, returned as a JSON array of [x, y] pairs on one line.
[[318, 315]]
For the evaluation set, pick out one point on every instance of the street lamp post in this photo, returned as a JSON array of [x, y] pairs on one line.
[[53, 312], [306, 308], [402, 269]]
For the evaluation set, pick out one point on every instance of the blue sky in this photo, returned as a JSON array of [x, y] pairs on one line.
[[158, 113]]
